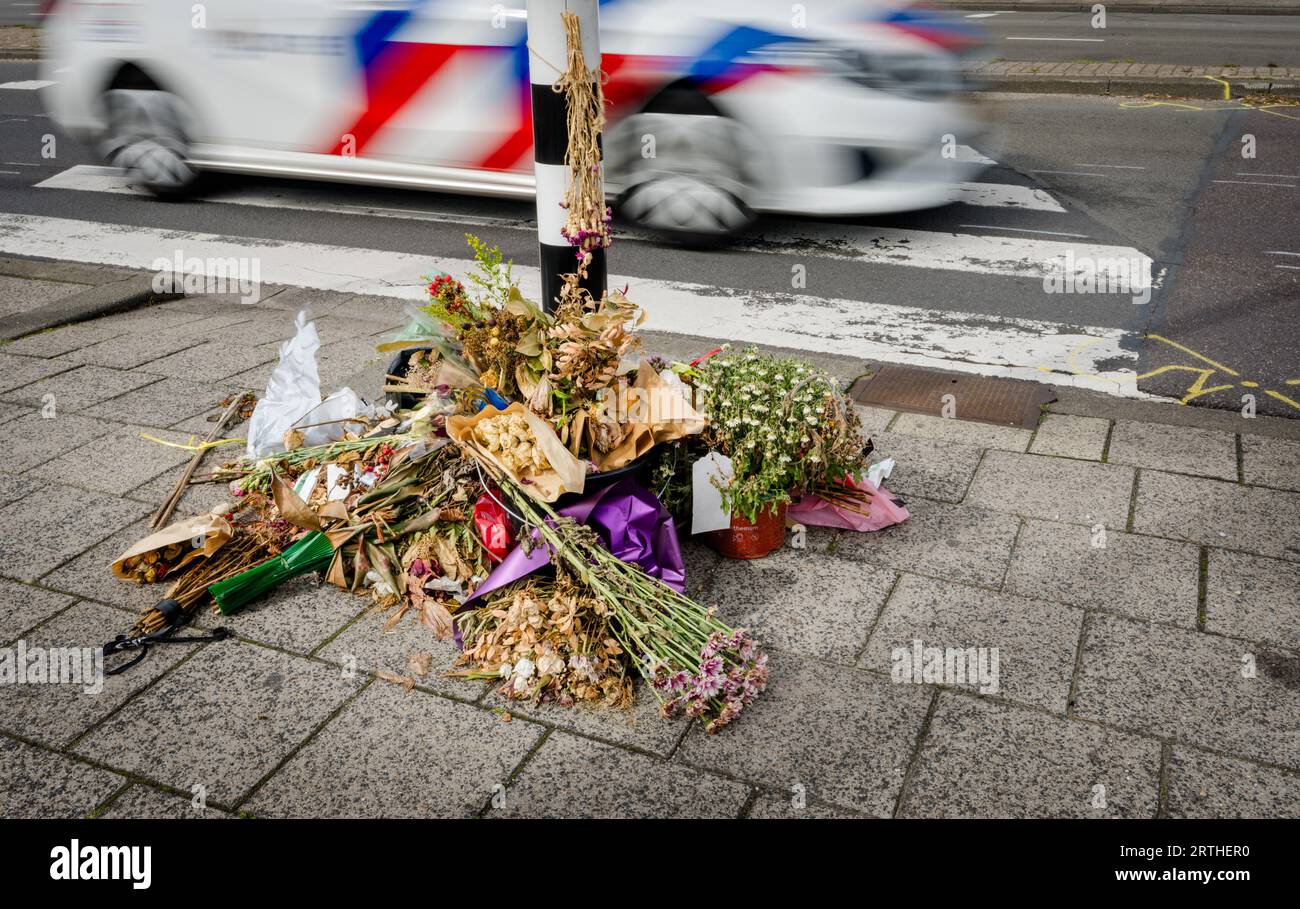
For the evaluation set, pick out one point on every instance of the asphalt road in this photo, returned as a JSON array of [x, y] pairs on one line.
[[951, 287], [19, 12], [1143, 38]]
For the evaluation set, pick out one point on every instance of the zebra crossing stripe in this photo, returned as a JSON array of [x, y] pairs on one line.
[[993, 255], [1101, 359]]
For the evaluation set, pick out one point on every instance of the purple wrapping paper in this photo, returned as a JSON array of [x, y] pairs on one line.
[[630, 522]]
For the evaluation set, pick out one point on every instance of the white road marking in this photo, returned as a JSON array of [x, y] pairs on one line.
[[1279, 252], [1022, 230], [93, 178], [26, 85], [981, 15], [1116, 166], [1258, 183], [18, 164], [968, 155], [1004, 195], [1069, 173], [1090, 40], [1283, 176], [1290, 267], [1014, 257], [969, 342]]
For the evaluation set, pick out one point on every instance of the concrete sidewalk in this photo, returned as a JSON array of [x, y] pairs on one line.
[[37, 295], [1136, 564]]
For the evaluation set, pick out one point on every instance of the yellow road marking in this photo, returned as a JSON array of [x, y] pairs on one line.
[[1188, 350], [1227, 89]]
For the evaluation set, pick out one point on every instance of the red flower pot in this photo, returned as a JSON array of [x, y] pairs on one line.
[[750, 539]]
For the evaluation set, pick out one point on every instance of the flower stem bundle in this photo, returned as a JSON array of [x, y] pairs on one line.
[[313, 552], [695, 663]]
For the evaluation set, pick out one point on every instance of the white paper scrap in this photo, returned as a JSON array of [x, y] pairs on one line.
[[707, 512], [879, 473]]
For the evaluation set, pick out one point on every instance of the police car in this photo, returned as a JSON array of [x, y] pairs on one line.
[[717, 111]]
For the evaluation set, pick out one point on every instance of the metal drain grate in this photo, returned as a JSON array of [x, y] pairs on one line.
[[1006, 402]]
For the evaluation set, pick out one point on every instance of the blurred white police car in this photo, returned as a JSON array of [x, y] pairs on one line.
[[718, 110]]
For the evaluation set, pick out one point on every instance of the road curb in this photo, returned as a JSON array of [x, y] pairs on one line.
[[1063, 6], [98, 300], [19, 53], [1208, 89]]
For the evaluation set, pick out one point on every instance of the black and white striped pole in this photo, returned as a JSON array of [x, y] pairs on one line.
[[548, 53]]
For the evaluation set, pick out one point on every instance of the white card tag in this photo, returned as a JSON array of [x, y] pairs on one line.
[[707, 512]]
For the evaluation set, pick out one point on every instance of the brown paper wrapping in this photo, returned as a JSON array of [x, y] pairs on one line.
[[567, 473], [213, 529], [656, 413]]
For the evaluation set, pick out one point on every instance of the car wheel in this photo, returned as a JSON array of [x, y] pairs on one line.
[[147, 137], [684, 176]]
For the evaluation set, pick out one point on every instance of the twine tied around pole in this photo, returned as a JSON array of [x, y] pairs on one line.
[[587, 224]]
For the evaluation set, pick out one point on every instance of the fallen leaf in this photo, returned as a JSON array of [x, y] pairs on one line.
[[405, 681], [419, 663], [436, 618]]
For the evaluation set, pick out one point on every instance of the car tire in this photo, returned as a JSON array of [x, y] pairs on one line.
[[685, 177], [147, 137]]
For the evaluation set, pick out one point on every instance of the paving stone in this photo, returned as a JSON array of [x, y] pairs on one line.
[[10, 411], [642, 727], [1210, 785], [198, 498], [299, 615], [984, 759], [570, 777], [393, 753], [874, 419], [1182, 449], [979, 435], [1190, 686], [1270, 462], [1143, 577], [23, 607], [134, 349], [41, 784], [925, 467], [142, 802], [1036, 641], [89, 576], [78, 389], [843, 734], [959, 542], [366, 647], [1067, 436], [699, 561], [1253, 598], [379, 310], [117, 462], [14, 488], [344, 358], [1262, 521], [159, 317], [55, 714], [41, 531], [16, 371], [795, 806], [166, 402], [64, 339], [33, 439], [802, 601], [223, 719], [211, 362], [1055, 489]]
